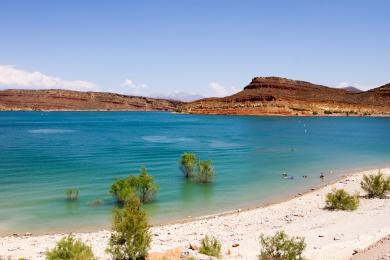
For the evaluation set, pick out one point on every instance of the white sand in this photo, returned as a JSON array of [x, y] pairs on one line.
[[328, 234]]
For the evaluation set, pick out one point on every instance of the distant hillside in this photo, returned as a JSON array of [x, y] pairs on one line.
[[65, 100], [262, 96], [280, 96]]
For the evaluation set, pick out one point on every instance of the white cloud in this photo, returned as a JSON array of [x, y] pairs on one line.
[[179, 95], [222, 91], [133, 88], [17, 78], [343, 85]]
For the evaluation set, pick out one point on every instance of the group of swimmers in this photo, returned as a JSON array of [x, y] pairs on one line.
[[289, 177]]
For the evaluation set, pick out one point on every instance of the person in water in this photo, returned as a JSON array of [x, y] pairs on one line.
[[322, 176]]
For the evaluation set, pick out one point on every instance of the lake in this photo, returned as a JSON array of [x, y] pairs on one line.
[[44, 153]]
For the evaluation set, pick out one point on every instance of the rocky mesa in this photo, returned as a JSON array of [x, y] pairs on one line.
[[281, 96], [67, 100]]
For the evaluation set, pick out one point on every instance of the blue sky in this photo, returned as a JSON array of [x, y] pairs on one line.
[[205, 47]]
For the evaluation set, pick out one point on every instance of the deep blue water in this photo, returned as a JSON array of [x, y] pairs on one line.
[[43, 154]]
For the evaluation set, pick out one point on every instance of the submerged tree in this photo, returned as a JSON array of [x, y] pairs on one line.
[[142, 185], [130, 238], [205, 171], [187, 164]]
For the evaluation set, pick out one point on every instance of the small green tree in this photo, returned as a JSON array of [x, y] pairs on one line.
[[130, 238], [72, 194], [69, 248], [376, 185], [143, 185], [281, 247], [210, 246], [146, 186], [205, 171], [187, 164], [341, 200]]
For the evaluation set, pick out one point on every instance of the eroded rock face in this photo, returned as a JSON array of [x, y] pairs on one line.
[[66, 100], [281, 96]]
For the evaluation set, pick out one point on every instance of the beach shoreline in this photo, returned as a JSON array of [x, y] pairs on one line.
[[328, 233]]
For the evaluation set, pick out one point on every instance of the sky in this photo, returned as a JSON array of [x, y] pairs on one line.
[[207, 48]]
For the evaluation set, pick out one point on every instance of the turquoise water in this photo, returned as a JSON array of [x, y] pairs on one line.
[[42, 154]]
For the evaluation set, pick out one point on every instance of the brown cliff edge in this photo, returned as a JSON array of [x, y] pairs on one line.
[[280, 96], [262, 96]]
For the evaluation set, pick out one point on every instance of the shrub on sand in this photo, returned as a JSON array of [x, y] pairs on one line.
[[341, 200], [376, 185], [130, 238], [210, 246], [281, 247], [69, 248]]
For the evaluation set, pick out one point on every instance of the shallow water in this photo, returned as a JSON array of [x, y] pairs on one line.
[[42, 154]]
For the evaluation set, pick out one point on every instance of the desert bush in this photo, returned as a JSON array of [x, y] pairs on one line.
[[341, 200], [142, 185], [69, 248], [130, 238], [72, 194], [281, 247], [328, 112], [210, 246], [376, 185], [205, 171], [187, 164]]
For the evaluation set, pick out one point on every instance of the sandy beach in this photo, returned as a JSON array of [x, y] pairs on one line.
[[328, 234]]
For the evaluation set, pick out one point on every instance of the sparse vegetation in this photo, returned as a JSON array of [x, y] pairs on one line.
[[96, 203], [341, 200], [130, 238], [281, 247], [69, 248], [187, 164], [142, 185], [315, 113], [205, 171], [72, 194], [376, 185], [210, 246], [328, 112]]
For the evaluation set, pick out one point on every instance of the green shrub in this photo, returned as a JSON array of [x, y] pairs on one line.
[[187, 164], [210, 246], [143, 185], [376, 185], [205, 171], [69, 248], [281, 247], [341, 200], [130, 238], [72, 194], [328, 112], [315, 113]]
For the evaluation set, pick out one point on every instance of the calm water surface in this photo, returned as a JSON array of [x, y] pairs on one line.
[[43, 154]]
